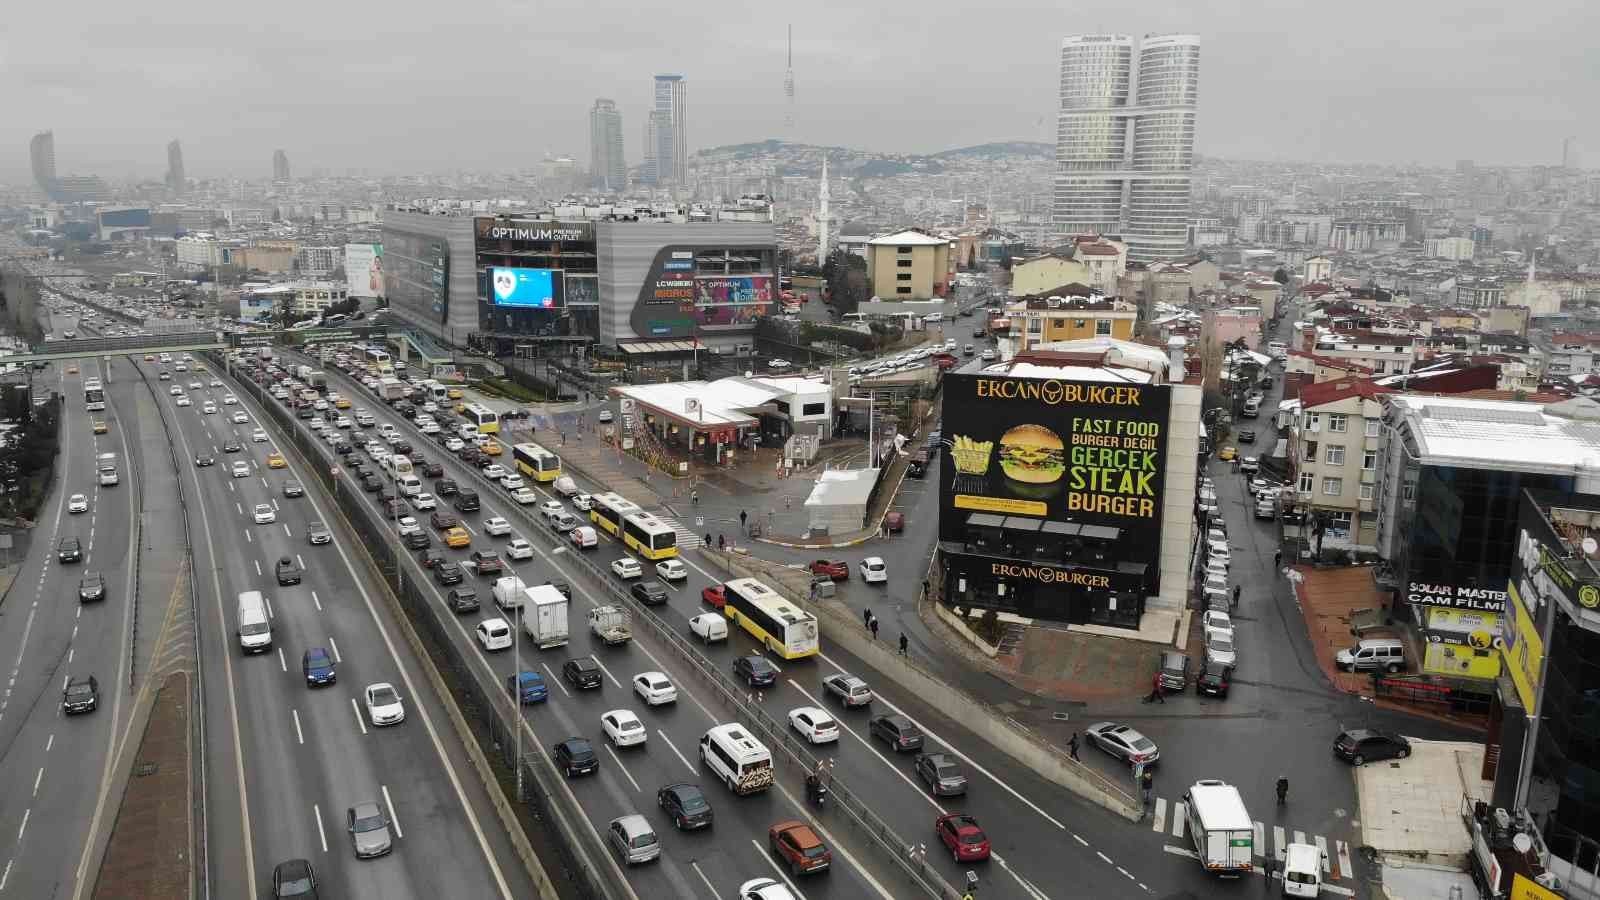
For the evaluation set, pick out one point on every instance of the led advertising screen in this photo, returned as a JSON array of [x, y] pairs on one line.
[[532, 288], [363, 270], [1089, 457], [733, 290]]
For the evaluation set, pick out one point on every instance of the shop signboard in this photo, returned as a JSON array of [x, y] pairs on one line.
[[1461, 642], [1456, 596], [519, 234], [1081, 453]]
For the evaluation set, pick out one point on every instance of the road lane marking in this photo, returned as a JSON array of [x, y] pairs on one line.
[[393, 819], [1278, 841], [270, 613], [556, 681], [258, 567], [760, 851], [1104, 857], [286, 532], [297, 732], [605, 670], [360, 723], [316, 812], [618, 760], [313, 594], [693, 864], [282, 663], [1158, 819], [337, 657], [24, 827], [247, 536], [239, 506], [36, 779], [1322, 852], [663, 735], [1346, 870], [1180, 809]]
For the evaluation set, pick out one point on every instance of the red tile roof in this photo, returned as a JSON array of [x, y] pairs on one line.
[[1314, 395], [1332, 362]]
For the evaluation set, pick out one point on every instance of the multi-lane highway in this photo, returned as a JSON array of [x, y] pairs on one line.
[[286, 760], [1043, 837], [55, 771]]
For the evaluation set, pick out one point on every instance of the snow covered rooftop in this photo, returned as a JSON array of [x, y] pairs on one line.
[[1557, 439]]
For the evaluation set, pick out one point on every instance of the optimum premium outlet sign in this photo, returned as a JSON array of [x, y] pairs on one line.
[[1091, 454]]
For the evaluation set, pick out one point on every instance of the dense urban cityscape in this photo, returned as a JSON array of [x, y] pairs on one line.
[[1098, 517]]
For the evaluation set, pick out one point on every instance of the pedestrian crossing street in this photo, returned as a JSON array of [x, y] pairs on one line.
[[687, 539], [1336, 862]]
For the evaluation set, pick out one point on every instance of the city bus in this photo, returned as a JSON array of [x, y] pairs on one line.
[[610, 509], [94, 395], [481, 417], [784, 628], [378, 362], [536, 462], [650, 537]]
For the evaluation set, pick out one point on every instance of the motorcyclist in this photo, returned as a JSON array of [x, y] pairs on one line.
[[814, 788], [1283, 789]]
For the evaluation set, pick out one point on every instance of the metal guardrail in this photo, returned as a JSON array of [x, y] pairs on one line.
[[923, 876]]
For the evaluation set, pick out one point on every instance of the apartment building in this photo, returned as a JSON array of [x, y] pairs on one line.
[[1052, 319], [1334, 446], [909, 265], [1382, 353], [1570, 354]]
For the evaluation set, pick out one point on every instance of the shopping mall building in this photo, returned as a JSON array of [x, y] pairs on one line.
[[657, 287]]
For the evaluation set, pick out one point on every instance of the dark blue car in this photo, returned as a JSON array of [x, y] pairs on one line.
[[318, 666], [528, 686]]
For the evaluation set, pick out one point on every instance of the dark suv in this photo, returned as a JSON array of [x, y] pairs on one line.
[[287, 571], [69, 550], [487, 562], [81, 695], [581, 672], [467, 501], [447, 572], [898, 731], [575, 756], [462, 599], [91, 587], [755, 670], [318, 667]]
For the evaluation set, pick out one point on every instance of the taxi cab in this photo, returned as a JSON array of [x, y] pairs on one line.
[[341, 403], [72, 370], [453, 393], [149, 357], [100, 427], [1226, 454], [492, 447], [457, 537], [275, 460]]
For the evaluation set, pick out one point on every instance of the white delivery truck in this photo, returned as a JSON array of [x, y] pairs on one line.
[[1221, 828], [392, 389], [610, 624], [509, 592], [546, 621]]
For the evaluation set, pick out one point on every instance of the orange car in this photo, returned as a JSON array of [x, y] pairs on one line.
[[798, 846], [457, 537]]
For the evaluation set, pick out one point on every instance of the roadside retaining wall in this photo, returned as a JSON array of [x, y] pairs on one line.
[[1010, 737]]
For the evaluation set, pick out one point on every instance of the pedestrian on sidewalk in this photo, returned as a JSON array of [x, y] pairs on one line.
[[903, 643], [742, 517], [874, 626], [1156, 691], [722, 542], [1277, 559], [708, 539], [866, 617], [694, 498], [924, 589], [1072, 747], [1236, 595]]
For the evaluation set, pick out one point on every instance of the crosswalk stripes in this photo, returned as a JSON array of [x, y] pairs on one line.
[[1337, 864], [687, 540]]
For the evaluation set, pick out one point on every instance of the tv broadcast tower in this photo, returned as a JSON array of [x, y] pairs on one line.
[[788, 86], [822, 214]]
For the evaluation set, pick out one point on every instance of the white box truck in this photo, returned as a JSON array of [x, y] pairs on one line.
[[509, 592], [546, 621], [1221, 828], [392, 389], [610, 624]]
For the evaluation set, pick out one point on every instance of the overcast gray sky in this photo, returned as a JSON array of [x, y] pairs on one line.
[[405, 85]]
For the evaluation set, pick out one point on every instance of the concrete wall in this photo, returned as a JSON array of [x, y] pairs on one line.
[[1001, 733], [1177, 502]]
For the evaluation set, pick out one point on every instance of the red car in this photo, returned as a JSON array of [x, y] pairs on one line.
[[895, 522], [962, 837], [714, 595], [799, 847], [837, 569]]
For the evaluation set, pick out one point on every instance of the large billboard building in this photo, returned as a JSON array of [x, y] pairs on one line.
[[655, 286], [1067, 492]]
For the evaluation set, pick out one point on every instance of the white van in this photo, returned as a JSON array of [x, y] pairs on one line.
[[933, 318], [408, 485], [732, 754], [1302, 871], [255, 630]]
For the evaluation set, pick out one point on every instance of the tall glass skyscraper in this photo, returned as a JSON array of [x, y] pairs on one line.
[[176, 179], [1125, 139], [42, 153], [607, 168], [669, 147]]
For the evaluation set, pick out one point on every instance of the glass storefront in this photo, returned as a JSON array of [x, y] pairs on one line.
[[1569, 735]]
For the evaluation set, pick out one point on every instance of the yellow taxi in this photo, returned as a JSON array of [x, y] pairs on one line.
[[275, 460], [1226, 454], [341, 403], [461, 408], [457, 537], [453, 393], [149, 357], [100, 427], [492, 447], [200, 367], [72, 370]]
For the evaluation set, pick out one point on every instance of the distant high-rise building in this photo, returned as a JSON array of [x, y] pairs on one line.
[[175, 176], [280, 166], [42, 152], [1125, 139], [788, 87], [608, 169], [670, 145]]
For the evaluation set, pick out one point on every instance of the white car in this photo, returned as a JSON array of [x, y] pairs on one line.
[[429, 427], [424, 500], [365, 419], [655, 688], [626, 567], [264, 514], [623, 728], [184, 401], [817, 726], [672, 570], [582, 501], [873, 569], [175, 391], [195, 385], [1221, 554], [230, 400], [387, 429], [525, 496], [258, 436], [550, 508], [383, 704], [584, 538], [764, 889], [708, 627], [496, 526], [454, 445], [1215, 621], [343, 422], [241, 469], [518, 548], [209, 408], [77, 503], [373, 448], [240, 418], [511, 482], [216, 382], [494, 634], [494, 472]]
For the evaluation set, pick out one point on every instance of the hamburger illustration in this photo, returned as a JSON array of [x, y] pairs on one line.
[[1032, 454]]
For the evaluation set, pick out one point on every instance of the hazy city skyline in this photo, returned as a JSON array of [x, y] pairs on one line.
[[1378, 83]]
